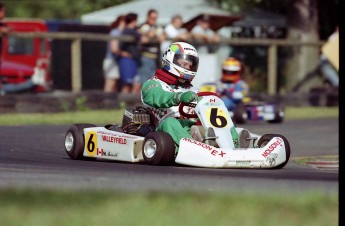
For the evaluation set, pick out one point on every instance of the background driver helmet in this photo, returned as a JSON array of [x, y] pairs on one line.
[[231, 70], [181, 59]]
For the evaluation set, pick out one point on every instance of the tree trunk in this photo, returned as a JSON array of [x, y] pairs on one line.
[[302, 26]]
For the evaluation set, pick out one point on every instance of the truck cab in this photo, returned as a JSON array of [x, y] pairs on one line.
[[20, 55]]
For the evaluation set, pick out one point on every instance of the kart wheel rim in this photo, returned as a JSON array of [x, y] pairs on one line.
[[69, 140], [150, 148]]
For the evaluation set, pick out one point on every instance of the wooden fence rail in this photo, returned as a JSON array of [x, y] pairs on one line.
[[77, 37]]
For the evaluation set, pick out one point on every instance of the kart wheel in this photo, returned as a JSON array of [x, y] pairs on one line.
[[278, 114], [240, 114], [75, 140], [158, 148], [267, 137]]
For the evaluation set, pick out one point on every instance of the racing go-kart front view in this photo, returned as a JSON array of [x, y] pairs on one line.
[[216, 143]]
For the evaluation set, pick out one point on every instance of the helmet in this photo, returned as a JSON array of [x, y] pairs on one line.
[[231, 70], [181, 60]]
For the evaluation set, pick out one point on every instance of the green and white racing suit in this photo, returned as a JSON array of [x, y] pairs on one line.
[[162, 99]]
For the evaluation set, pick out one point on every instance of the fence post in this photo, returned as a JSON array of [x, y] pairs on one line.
[[272, 69], [76, 65]]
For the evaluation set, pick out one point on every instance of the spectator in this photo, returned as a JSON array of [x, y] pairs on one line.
[[151, 32], [110, 65], [202, 33], [175, 32], [129, 53], [38, 78]]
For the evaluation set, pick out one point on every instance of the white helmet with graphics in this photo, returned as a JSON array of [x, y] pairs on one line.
[[181, 59]]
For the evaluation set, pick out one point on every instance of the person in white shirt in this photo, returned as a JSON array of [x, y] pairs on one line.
[[175, 32], [202, 33]]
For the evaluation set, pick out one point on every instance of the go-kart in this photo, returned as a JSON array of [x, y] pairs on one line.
[[252, 110], [137, 141]]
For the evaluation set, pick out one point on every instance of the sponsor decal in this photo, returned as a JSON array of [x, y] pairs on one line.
[[273, 146], [189, 49], [117, 135], [243, 163], [112, 139], [150, 87], [212, 151], [102, 152], [271, 159], [213, 104]]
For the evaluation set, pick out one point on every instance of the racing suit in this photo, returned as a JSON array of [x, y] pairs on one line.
[[162, 95], [232, 93]]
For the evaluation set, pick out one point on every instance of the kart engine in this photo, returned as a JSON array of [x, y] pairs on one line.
[[137, 121]]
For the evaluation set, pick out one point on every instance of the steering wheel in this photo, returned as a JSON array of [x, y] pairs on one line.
[[192, 105]]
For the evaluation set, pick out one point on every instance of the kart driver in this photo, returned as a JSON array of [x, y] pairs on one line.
[[171, 86], [231, 88]]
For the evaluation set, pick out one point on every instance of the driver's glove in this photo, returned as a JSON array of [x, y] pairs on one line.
[[187, 97]]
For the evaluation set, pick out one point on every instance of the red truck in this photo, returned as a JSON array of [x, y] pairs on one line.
[[20, 55]]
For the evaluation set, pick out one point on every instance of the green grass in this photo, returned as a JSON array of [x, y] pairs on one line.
[[151, 208], [111, 116], [311, 112], [60, 208]]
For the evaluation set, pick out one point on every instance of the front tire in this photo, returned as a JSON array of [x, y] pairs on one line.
[[264, 139], [75, 140], [158, 148], [278, 114]]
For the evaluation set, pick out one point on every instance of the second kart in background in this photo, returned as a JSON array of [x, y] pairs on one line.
[[235, 94]]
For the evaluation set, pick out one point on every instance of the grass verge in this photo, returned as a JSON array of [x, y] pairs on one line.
[[29, 207], [115, 116]]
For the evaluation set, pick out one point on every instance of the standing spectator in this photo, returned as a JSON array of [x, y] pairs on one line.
[[202, 33], [129, 53], [150, 51], [110, 65], [175, 32]]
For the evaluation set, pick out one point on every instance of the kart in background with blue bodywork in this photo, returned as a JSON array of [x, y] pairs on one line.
[[249, 109]]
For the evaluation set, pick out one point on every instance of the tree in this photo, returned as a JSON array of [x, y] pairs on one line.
[[59, 9], [307, 21], [303, 26]]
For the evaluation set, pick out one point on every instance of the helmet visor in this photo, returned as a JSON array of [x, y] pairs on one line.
[[228, 72], [187, 62]]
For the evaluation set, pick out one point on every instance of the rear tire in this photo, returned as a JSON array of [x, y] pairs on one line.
[[278, 114], [267, 137], [158, 148], [75, 140]]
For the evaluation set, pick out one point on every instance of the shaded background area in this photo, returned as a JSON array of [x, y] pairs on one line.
[[92, 54]]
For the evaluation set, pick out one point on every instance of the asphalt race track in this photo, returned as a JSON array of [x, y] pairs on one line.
[[34, 157]]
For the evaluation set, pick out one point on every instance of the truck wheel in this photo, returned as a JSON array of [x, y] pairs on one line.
[[75, 140], [278, 114], [240, 114], [158, 148], [264, 139]]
